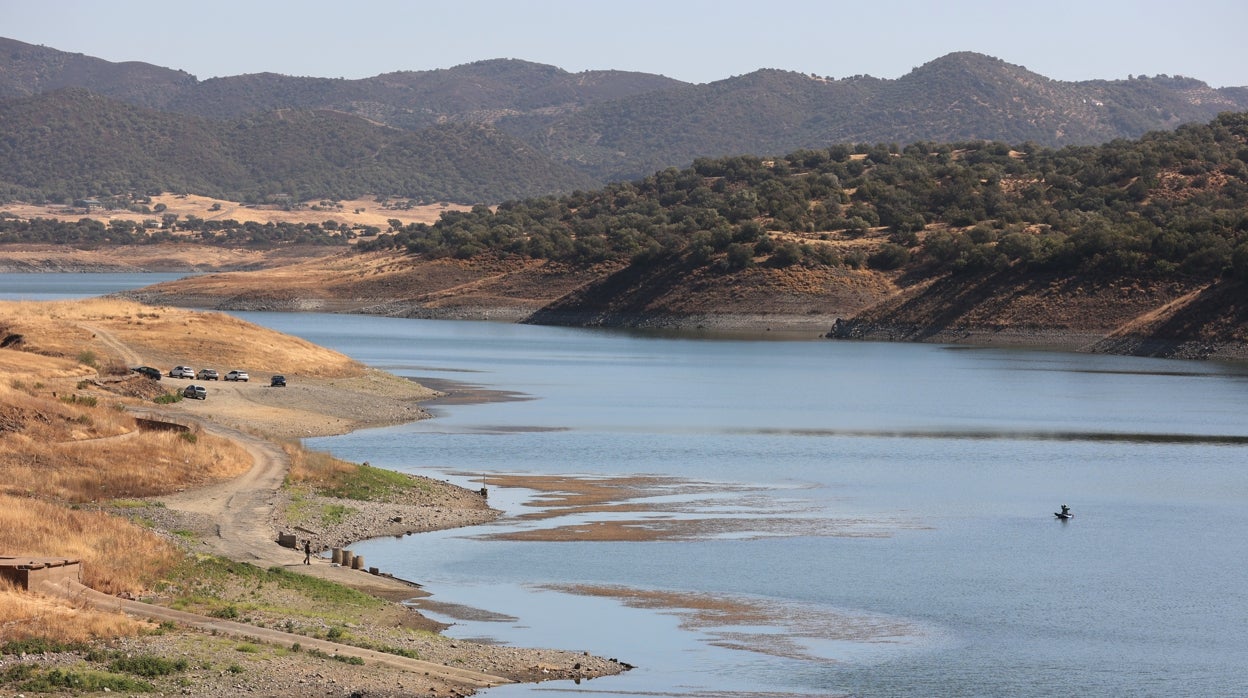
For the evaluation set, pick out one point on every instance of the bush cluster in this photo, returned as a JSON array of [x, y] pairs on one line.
[[1169, 203]]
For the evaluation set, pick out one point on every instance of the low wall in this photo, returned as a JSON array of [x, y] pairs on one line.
[[25, 571], [158, 425]]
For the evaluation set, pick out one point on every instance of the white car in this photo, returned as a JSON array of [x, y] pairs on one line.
[[182, 372], [237, 376]]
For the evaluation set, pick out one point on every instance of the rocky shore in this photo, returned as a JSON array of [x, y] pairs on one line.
[[218, 671], [449, 507]]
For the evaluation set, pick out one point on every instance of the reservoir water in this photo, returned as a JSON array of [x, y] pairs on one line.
[[812, 518]]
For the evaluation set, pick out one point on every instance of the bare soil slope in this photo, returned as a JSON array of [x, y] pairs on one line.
[[544, 292], [1170, 318]]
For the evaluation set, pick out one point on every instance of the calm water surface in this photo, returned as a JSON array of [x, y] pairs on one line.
[[891, 509], [932, 472], [56, 287]]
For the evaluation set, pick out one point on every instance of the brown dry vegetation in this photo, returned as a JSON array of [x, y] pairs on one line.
[[117, 555], [163, 337], [24, 616], [137, 464], [357, 212], [65, 438], [315, 468]]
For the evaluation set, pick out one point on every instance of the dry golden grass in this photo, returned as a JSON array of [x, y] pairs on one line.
[[144, 464], [32, 410], [64, 441], [36, 370], [161, 335], [116, 555], [356, 212], [24, 615], [78, 451], [315, 468]]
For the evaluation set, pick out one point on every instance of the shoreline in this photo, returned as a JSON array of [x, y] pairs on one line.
[[372, 519], [228, 528], [756, 324]]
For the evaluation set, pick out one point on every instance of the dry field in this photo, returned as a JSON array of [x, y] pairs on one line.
[[66, 439], [115, 334], [78, 473], [358, 212]]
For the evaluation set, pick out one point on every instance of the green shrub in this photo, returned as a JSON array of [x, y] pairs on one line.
[[889, 256], [39, 645], [56, 680], [148, 666]]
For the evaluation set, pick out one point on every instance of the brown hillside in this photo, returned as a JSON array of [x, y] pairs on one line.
[[385, 284], [753, 299], [538, 291], [1112, 315]]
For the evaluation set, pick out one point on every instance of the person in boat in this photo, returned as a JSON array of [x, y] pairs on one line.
[[1065, 510]]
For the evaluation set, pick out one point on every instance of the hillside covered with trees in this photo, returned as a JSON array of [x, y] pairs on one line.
[[74, 144], [1135, 246], [616, 125], [1171, 203]]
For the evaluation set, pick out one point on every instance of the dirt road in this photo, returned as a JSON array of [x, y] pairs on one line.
[[243, 510], [463, 677]]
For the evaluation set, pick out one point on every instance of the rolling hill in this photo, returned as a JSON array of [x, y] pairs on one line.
[[613, 125], [72, 143], [1134, 246]]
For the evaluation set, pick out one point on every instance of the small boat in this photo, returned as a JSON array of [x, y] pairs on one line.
[[1063, 516]]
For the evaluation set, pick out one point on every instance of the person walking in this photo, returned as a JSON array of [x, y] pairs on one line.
[[307, 552]]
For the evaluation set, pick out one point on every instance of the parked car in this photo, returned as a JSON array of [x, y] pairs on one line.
[[208, 374], [148, 371], [237, 376], [182, 372], [195, 392], [277, 382]]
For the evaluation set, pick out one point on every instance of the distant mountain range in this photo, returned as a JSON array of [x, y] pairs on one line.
[[484, 124]]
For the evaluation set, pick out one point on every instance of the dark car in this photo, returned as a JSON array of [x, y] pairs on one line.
[[277, 382], [148, 371], [195, 392]]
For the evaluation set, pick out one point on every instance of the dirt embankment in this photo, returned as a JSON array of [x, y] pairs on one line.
[[1142, 317], [536, 291], [1169, 318]]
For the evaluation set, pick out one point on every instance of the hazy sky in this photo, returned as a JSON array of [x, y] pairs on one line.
[[692, 40]]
